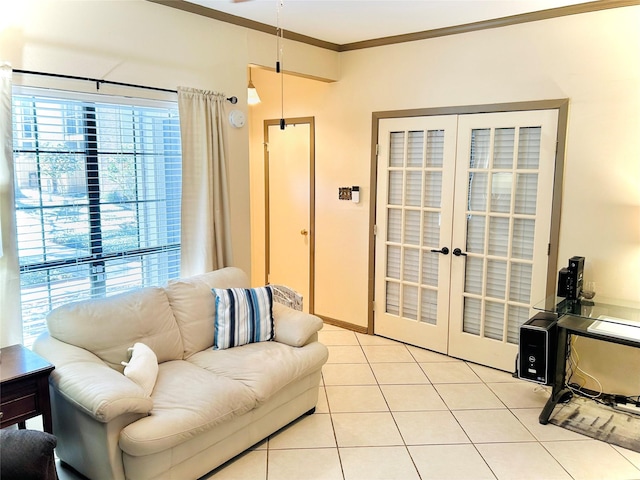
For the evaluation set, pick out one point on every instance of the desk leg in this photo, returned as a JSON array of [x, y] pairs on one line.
[[558, 390]]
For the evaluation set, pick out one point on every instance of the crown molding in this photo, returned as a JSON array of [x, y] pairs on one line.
[[409, 37]]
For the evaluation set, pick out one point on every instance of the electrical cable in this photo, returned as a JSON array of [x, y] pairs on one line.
[[579, 389]]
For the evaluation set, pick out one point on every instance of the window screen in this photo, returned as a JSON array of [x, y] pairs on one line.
[[98, 187]]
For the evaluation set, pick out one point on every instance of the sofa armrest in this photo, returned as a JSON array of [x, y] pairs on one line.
[[91, 385], [293, 327]]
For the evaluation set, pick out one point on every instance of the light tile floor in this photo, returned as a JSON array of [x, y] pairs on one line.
[[392, 411]]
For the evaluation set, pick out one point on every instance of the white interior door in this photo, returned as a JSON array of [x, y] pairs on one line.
[[479, 185], [502, 222], [289, 208], [415, 206]]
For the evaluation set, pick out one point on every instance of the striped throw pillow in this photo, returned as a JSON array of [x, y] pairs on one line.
[[243, 315]]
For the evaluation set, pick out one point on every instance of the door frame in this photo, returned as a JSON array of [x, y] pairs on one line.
[[312, 199], [562, 105]]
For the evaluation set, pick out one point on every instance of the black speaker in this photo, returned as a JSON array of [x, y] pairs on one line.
[[536, 356]]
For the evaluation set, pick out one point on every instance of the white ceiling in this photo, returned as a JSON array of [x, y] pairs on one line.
[[347, 21]]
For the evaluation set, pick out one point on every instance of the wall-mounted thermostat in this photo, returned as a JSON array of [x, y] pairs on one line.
[[355, 194]]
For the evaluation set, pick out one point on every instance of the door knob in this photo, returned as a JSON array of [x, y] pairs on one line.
[[304, 232], [443, 250], [457, 252]]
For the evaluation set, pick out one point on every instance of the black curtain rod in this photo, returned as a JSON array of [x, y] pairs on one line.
[[98, 82]]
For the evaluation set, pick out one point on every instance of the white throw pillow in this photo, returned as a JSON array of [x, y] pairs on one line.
[[142, 368]]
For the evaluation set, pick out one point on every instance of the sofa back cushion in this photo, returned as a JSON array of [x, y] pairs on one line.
[[194, 306], [108, 327]]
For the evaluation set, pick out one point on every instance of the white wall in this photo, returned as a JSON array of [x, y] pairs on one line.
[[138, 42], [592, 59]]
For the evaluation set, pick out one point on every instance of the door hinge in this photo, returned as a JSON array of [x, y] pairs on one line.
[[375, 230], [377, 149], [548, 249]]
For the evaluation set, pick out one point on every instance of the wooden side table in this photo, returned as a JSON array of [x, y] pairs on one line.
[[24, 387]]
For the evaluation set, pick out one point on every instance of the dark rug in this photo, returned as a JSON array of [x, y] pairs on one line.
[[590, 418]]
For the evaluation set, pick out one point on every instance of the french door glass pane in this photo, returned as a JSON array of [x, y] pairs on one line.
[[503, 148], [517, 316], [480, 145], [411, 265], [478, 191], [393, 262], [415, 149], [520, 282], [410, 301], [431, 230], [496, 279], [429, 306], [475, 233], [396, 149], [395, 187], [494, 320], [472, 313], [413, 188], [522, 239], [394, 225], [435, 148], [526, 193], [412, 227], [433, 189], [501, 192], [529, 148], [474, 273], [392, 300], [429, 269], [499, 236]]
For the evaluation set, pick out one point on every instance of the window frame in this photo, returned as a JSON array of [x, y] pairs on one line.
[[97, 258]]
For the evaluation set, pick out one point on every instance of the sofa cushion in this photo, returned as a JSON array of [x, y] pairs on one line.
[[243, 315], [187, 401], [108, 327], [142, 368], [264, 367], [194, 306]]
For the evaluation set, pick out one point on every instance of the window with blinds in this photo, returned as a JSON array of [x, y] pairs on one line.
[[98, 187]]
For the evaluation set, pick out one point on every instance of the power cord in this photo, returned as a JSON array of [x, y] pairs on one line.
[[574, 369]]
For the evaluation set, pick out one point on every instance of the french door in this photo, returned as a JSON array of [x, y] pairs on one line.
[[463, 224]]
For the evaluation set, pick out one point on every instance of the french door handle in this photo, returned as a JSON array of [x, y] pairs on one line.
[[443, 250], [457, 252]]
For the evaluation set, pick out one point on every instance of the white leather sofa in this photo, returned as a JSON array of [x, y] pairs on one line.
[[206, 405]]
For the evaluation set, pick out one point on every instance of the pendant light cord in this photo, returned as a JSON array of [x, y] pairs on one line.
[[279, 55]]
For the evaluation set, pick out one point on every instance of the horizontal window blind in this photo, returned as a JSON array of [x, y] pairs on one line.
[[413, 222], [501, 208], [98, 188]]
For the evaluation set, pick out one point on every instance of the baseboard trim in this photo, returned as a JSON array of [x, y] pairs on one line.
[[342, 324]]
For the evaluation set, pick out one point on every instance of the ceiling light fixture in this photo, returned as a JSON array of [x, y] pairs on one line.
[[252, 94]]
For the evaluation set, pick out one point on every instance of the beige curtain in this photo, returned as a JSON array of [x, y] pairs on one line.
[[206, 228], [10, 316]]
